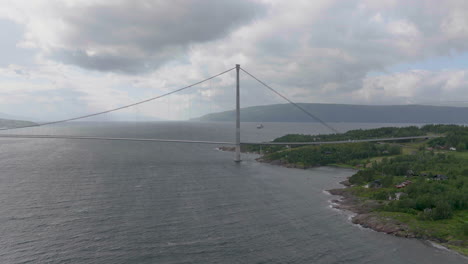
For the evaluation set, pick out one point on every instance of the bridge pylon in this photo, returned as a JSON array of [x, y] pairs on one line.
[[238, 145]]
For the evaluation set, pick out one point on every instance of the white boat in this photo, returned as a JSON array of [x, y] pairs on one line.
[[259, 126]]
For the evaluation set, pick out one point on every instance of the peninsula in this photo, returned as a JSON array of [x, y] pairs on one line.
[[416, 188]]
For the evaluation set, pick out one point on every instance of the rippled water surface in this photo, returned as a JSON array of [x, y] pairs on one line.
[[78, 201]]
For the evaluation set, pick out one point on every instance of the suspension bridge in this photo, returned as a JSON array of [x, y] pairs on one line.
[[236, 142]]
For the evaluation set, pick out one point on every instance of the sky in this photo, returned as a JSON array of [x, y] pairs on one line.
[[62, 58]]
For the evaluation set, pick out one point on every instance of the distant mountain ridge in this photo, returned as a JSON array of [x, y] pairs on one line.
[[347, 113], [8, 123]]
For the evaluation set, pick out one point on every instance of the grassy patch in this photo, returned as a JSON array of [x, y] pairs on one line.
[[462, 250], [463, 155], [452, 230], [447, 229], [380, 158]]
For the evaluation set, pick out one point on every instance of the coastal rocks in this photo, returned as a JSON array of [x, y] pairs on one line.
[[346, 183], [366, 217], [224, 148], [381, 224], [352, 203], [277, 162], [340, 192]]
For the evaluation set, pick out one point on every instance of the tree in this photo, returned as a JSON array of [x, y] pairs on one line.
[[442, 211], [387, 181]]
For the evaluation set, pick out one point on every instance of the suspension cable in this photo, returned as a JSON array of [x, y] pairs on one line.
[[294, 104], [121, 107]]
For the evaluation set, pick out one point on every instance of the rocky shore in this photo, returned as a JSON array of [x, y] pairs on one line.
[[365, 214], [282, 163], [363, 208], [366, 217]]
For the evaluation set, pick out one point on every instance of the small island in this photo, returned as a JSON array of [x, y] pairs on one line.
[[413, 188]]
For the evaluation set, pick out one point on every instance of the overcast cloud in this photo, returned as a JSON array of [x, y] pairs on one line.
[[95, 54]]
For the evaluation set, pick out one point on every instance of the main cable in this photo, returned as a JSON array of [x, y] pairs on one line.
[[121, 107], [291, 102]]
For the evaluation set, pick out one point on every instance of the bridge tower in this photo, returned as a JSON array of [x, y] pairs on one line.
[[238, 145]]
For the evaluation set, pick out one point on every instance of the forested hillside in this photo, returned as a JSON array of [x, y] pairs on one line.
[[421, 183]]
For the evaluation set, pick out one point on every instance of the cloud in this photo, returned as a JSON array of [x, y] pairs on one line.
[[415, 87], [126, 36], [330, 48], [116, 52]]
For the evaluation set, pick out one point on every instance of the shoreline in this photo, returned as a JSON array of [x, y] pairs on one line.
[[365, 217], [363, 214], [362, 209]]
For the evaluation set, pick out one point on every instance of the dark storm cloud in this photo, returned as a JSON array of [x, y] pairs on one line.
[[135, 36], [126, 63]]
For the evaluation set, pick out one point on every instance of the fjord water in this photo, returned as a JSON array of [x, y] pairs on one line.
[[84, 201]]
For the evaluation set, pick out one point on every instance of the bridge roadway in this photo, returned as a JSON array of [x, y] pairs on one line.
[[211, 142]]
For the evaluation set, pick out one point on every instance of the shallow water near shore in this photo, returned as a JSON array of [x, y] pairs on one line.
[[78, 201]]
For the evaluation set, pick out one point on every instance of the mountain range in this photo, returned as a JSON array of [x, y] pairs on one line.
[[346, 113]]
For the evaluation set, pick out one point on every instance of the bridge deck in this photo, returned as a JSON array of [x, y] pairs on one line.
[[210, 142], [340, 141]]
